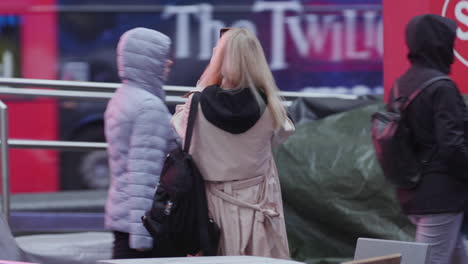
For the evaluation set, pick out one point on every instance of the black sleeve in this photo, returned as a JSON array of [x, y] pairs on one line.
[[449, 115]]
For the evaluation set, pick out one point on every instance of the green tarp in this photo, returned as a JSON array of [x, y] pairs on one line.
[[334, 190]]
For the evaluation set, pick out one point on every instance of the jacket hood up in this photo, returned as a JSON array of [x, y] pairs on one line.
[[141, 59], [234, 111], [430, 40]]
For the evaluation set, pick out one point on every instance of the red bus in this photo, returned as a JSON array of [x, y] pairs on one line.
[[31, 39]]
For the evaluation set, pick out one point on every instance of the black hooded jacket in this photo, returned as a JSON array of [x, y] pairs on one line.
[[234, 111], [435, 118]]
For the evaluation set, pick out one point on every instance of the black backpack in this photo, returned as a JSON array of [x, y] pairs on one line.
[[393, 143], [178, 219]]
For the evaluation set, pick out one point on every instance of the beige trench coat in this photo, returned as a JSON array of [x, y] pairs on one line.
[[242, 184]]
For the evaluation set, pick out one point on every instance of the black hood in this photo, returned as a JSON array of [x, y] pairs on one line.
[[234, 111], [430, 40]]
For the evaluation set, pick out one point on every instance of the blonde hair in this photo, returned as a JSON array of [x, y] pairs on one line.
[[244, 65]]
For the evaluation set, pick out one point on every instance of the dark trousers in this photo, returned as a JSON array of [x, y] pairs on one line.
[[122, 248]]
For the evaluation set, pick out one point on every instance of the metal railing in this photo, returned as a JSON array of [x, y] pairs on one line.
[[78, 90], [171, 90], [56, 145], [69, 90], [76, 85], [5, 160], [25, 92]]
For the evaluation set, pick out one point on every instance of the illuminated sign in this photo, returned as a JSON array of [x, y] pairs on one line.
[[458, 10]]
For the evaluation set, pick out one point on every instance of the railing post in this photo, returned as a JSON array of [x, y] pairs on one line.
[[5, 160]]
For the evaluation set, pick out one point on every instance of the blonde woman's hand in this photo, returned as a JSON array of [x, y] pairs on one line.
[[212, 74]]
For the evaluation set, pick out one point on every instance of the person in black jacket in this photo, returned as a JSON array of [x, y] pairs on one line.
[[436, 121]]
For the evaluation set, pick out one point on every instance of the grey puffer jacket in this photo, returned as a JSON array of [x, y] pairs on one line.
[[138, 132]]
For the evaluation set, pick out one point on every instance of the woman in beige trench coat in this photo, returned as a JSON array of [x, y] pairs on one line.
[[241, 117]]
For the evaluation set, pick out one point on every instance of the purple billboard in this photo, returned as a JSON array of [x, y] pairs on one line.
[[320, 46]]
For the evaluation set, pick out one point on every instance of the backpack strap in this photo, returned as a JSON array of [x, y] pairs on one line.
[[415, 94], [418, 91], [191, 120]]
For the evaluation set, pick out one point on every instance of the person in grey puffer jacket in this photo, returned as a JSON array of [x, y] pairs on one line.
[[139, 135]]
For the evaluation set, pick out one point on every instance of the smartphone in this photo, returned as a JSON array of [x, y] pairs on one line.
[[222, 31]]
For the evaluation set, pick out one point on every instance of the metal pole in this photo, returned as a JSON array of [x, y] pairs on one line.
[[5, 161], [57, 145], [104, 90], [25, 92], [78, 85]]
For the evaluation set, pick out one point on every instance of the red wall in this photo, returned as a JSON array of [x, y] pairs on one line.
[[397, 14], [34, 170]]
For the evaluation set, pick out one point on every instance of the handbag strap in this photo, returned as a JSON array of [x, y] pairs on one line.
[[191, 120], [413, 95]]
